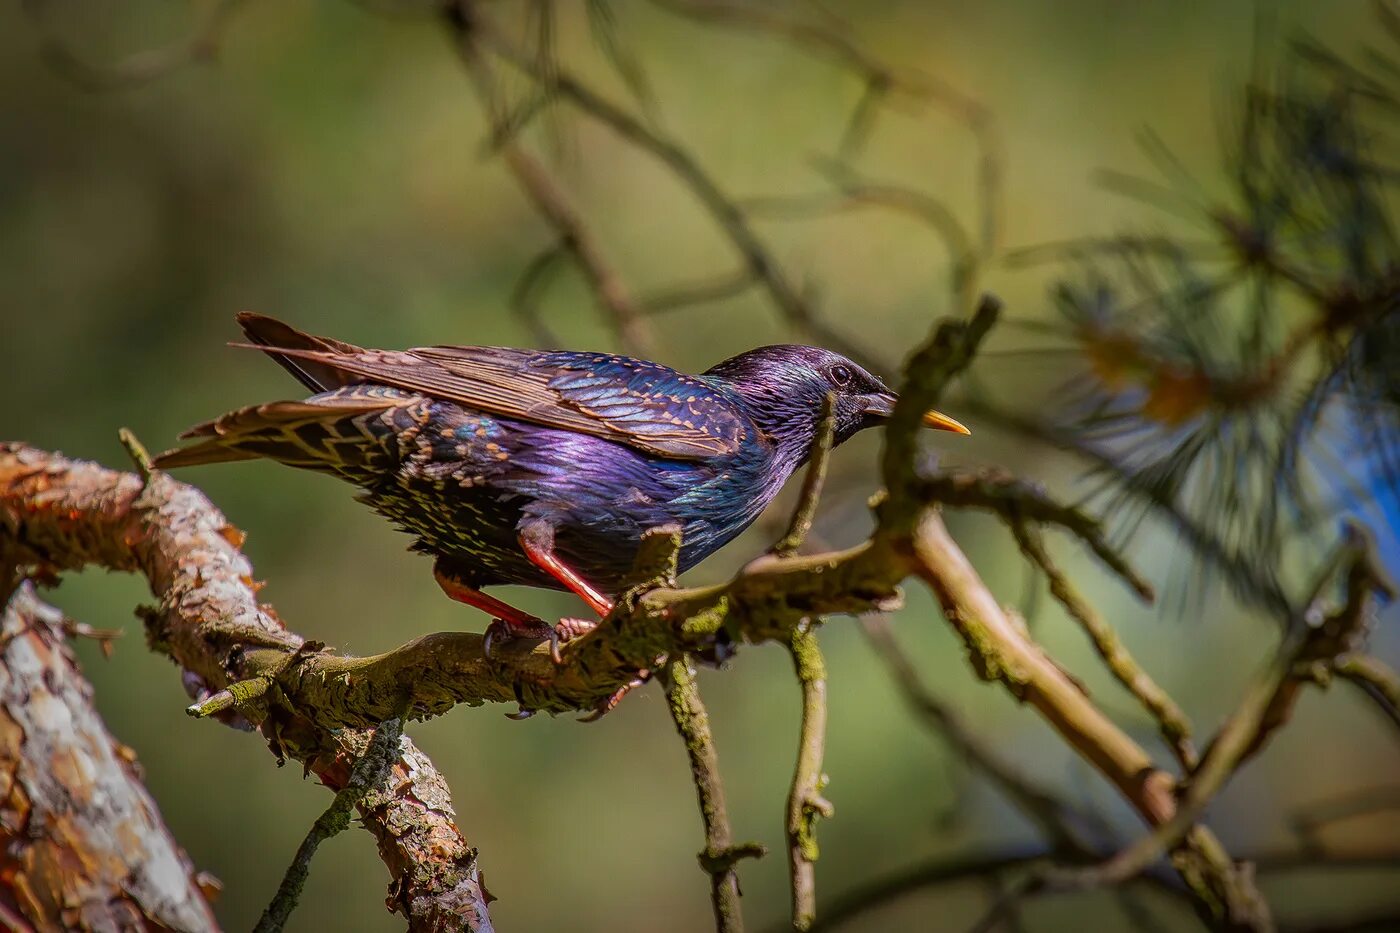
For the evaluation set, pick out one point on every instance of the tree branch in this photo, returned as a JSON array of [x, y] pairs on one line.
[[1171, 720], [66, 514], [720, 855], [723, 209], [805, 801], [84, 844], [767, 601], [374, 765], [575, 237]]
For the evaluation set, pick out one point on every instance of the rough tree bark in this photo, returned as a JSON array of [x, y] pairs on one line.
[[60, 515], [84, 844]]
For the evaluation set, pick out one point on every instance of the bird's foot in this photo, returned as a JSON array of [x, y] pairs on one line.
[[610, 704], [536, 630], [569, 629]]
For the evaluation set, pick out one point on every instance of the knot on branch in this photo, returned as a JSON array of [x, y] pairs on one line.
[[718, 861]]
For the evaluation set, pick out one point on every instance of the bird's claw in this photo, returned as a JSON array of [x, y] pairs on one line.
[[610, 704], [539, 630]]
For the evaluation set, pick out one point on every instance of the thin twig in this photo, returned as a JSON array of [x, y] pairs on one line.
[[1305, 657], [1017, 501], [819, 455], [368, 773], [575, 236], [723, 209], [1379, 682], [1171, 719], [720, 855], [836, 39], [805, 801]]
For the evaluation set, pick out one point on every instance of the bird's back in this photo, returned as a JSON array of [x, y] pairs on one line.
[[461, 445]]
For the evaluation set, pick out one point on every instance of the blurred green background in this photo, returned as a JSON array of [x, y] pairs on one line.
[[328, 168]]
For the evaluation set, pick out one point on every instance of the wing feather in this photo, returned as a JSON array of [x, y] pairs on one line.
[[644, 405]]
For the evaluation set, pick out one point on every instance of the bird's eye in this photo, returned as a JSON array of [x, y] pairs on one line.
[[841, 374]]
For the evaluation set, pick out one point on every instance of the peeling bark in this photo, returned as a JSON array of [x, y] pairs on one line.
[[84, 844]]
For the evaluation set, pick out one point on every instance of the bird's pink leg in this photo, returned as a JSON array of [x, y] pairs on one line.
[[516, 622], [538, 544], [539, 547]]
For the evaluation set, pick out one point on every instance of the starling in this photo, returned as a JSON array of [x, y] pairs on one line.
[[544, 468]]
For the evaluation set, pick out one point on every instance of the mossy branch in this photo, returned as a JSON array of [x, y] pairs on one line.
[[66, 514], [374, 765], [721, 854]]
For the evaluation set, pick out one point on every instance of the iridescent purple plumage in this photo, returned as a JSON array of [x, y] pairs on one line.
[[495, 458]]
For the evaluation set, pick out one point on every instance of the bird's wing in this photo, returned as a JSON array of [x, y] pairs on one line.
[[634, 402]]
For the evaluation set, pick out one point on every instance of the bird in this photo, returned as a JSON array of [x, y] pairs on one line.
[[544, 468]]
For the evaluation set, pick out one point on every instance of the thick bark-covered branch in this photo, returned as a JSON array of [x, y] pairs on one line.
[[60, 514], [84, 844]]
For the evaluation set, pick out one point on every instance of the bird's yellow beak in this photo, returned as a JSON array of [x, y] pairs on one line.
[[882, 406], [941, 422]]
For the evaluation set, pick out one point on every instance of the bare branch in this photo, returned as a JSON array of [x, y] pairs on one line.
[[1018, 501], [85, 843], [835, 39], [1306, 657], [65, 514], [720, 855], [805, 801], [374, 765], [1171, 720], [810, 494], [550, 201], [768, 601], [723, 209]]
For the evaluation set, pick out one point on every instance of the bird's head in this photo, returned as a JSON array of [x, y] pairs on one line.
[[785, 386]]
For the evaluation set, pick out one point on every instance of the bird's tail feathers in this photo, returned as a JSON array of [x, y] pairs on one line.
[[271, 336], [327, 433]]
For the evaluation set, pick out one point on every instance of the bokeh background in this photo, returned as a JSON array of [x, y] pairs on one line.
[[329, 168]]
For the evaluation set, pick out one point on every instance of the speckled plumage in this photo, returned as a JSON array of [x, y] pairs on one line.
[[466, 447]]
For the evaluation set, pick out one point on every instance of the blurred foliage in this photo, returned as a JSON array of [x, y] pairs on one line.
[[328, 166]]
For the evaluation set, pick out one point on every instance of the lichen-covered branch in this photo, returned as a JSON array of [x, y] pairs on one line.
[[720, 857], [84, 844], [374, 765], [60, 514], [805, 801], [1308, 655]]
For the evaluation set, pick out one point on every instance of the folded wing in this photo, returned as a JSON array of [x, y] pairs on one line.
[[634, 402]]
